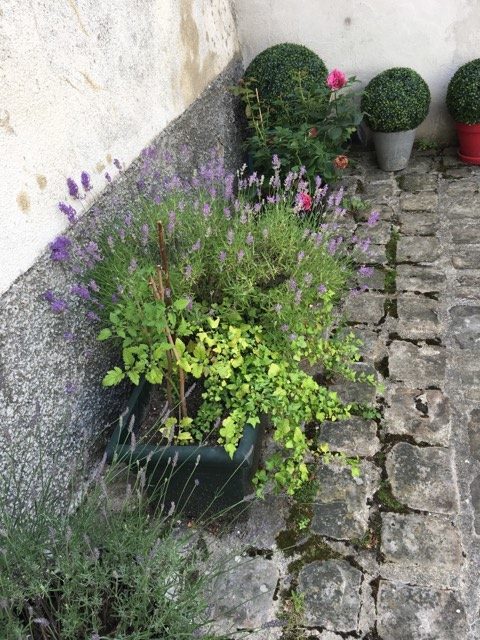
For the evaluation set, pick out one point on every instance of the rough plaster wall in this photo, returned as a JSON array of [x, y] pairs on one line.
[[84, 82], [368, 36], [53, 409]]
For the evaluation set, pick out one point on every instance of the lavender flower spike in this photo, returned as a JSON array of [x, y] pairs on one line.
[[72, 188], [85, 180], [60, 249], [68, 211]]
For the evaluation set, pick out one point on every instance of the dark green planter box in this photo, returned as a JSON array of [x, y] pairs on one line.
[[204, 478]]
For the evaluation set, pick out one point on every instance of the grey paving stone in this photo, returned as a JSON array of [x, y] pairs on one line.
[[461, 205], [467, 185], [420, 278], [355, 437], [376, 254], [465, 373], [374, 282], [340, 508], [423, 549], [407, 612], [365, 308], [421, 163], [465, 326], [424, 415], [386, 210], [464, 233], [417, 317], [241, 596], [422, 477], [264, 520], [355, 391], [331, 591], [418, 249], [425, 201], [417, 366], [474, 433], [378, 233], [418, 181], [418, 223], [466, 257], [475, 496], [374, 345]]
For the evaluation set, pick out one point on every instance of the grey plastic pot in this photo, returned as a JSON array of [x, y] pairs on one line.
[[393, 149]]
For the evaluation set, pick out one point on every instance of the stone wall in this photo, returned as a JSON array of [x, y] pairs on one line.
[[53, 410]]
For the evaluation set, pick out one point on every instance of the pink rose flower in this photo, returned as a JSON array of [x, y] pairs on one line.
[[305, 201], [336, 79]]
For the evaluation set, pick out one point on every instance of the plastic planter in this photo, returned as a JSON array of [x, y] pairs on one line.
[[469, 141], [393, 150], [197, 479]]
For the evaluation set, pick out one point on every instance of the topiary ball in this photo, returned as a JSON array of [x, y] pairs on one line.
[[463, 94], [396, 100], [272, 70]]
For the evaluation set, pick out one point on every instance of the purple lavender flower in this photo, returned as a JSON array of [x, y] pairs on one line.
[[196, 246], [270, 199], [364, 245], [132, 266], [240, 255], [278, 307], [187, 272], [243, 218], [300, 256], [292, 336], [292, 284], [276, 162], [227, 213], [321, 289], [373, 218], [56, 304], [120, 289], [69, 336], [94, 286], [366, 272], [207, 210], [172, 219], [144, 234], [116, 162], [72, 188], [60, 249], [92, 316], [81, 291], [222, 256], [115, 298], [228, 190], [68, 211], [298, 296], [70, 387], [128, 219], [189, 306], [108, 177], [85, 180], [308, 278], [249, 239], [284, 328], [230, 236]]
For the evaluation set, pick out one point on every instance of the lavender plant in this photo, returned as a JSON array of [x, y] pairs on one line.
[[228, 285]]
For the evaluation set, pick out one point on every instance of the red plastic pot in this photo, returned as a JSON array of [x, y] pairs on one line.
[[469, 140]]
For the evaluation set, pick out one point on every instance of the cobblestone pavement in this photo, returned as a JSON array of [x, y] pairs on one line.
[[394, 554]]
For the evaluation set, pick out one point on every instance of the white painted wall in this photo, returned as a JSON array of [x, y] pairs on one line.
[[83, 82], [434, 37]]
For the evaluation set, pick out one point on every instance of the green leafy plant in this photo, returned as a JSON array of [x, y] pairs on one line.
[[308, 127], [115, 567], [396, 100], [235, 292], [463, 93], [272, 71]]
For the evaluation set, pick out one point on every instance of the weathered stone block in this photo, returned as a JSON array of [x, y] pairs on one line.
[[241, 596], [425, 201], [425, 549], [417, 317], [423, 477], [340, 507], [418, 224], [417, 366], [416, 613], [354, 391], [418, 181], [355, 437], [418, 249], [378, 233], [465, 326], [424, 415], [420, 278], [365, 308], [331, 591], [467, 257]]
